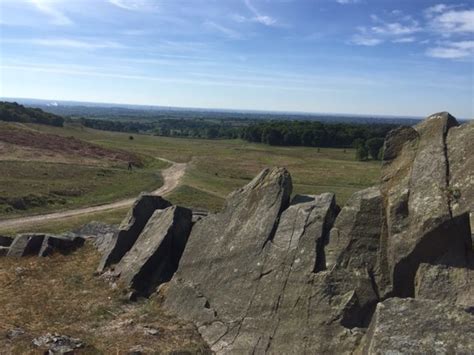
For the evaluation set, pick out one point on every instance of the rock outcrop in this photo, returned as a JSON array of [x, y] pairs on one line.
[[130, 229], [401, 326], [154, 257], [272, 257], [419, 225], [460, 148], [269, 276], [44, 244]]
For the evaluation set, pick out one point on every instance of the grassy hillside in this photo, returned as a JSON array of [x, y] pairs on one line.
[[216, 167], [43, 172]]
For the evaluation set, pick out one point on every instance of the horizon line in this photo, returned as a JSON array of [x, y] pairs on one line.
[[263, 111]]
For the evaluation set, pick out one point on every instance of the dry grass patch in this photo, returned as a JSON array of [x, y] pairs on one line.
[[61, 294]]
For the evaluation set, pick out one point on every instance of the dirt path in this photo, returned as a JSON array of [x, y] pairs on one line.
[[171, 179]]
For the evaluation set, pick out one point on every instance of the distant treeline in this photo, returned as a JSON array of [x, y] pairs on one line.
[[314, 134], [13, 112], [192, 128], [366, 138]]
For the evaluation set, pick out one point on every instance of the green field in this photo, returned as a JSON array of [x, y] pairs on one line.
[[31, 187], [216, 167]]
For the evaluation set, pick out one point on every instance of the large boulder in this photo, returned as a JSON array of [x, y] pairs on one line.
[[401, 326], [130, 229], [155, 255], [355, 237], [454, 285], [418, 222], [26, 244]]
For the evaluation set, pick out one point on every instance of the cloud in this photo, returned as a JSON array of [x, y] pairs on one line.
[[399, 31], [404, 40], [227, 32], [258, 17], [365, 40], [56, 16], [452, 50], [134, 5], [453, 21], [345, 2], [68, 43], [396, 29]]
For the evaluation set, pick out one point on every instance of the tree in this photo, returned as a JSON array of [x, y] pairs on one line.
[[361, 152], [373, 146]]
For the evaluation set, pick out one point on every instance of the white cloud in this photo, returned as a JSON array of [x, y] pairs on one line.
[[227, 32], [404, 40], [56, 16], [461, 21], [396, 29], [435, 9], [68, 43], [135, 5], [452, 50], [363, 40], [345, 2], [258, 17]]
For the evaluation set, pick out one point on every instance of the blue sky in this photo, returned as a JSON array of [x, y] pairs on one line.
[[407, 57]]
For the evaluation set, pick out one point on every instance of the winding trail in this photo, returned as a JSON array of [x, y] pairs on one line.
[[171, 178]]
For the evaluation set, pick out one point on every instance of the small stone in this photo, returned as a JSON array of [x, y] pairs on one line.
[[15, 333]]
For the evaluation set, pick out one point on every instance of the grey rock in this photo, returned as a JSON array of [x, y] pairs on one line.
[[218, 272], [15, 333], [454, 285], [5, 241], [155, 255], [460, 144], [297, 308], [63, 244], [418, 224], [260, 284], [355, 237], [130, 229], [58, 344], [411, 326], [100, 233], [26, 244]]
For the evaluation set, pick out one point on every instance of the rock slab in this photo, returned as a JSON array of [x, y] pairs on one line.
[[26, 244], [130, 229], [155, 255]]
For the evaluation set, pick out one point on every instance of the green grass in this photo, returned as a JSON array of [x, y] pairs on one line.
[[194, 198], [70, 223], [30, 187], [217, 167]]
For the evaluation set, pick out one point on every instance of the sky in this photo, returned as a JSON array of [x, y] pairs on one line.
[[387, 57]]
